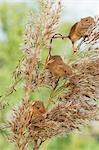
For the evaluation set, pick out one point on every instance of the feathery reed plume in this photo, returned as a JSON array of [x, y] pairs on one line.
[[37, 34], [38, 31], [36, 37], [51, 12], [18, 125]]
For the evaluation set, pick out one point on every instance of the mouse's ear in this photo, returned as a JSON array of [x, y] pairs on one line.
[[50, 61], [33, 103]]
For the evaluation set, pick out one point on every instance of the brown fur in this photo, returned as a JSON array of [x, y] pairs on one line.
[[38, 108], [57, 67], [79, 29]]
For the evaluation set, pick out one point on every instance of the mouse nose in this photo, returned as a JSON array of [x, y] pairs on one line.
[[43, 110]]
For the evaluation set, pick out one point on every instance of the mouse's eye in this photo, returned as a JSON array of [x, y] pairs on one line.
[[38, 107], [65, 71], [86, 19]]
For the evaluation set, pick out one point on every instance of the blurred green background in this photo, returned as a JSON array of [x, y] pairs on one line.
[[12, 21]]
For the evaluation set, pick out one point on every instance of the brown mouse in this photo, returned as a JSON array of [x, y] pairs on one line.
[[77, 31], [57, 67]]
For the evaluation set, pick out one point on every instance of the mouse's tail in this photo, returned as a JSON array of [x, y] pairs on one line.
[[57, 35]]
